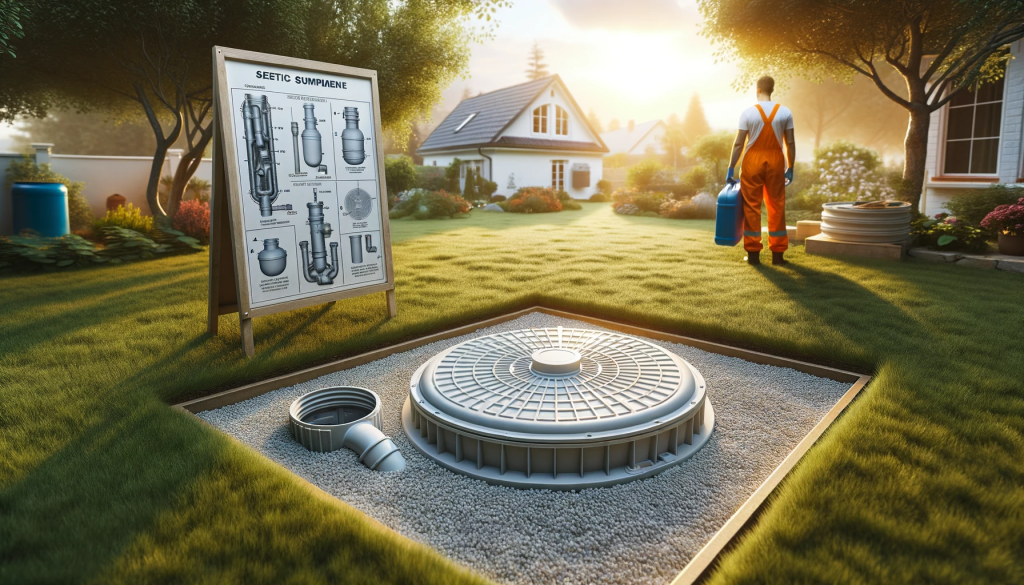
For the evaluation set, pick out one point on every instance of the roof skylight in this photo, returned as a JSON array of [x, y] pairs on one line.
[[464, 122]]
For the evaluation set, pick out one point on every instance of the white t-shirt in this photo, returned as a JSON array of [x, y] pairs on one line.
[[750, 120]]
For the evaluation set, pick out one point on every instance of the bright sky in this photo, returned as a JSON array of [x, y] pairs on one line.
[[638, 60]]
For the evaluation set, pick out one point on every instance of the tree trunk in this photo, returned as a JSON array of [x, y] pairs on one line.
[[915, 149], [187, 168], [163, 143]]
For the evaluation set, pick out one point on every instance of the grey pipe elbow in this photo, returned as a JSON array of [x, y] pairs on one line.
[[304, 251], [374, 449], [335, 265]]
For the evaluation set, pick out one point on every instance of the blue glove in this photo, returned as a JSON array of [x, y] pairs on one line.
[[789, 176], [729, 179]]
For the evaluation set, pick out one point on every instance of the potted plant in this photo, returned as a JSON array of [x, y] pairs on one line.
[[1008, 222]]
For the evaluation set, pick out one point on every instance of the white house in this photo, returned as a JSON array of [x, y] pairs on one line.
[[636, 139], [528, 135], [975, 140]]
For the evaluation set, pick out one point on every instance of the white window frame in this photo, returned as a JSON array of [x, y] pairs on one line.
[[558, 174], [561, 121], [540, 119], [944, 129]]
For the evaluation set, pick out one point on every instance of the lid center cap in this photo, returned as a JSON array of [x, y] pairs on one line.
[[555, 361]]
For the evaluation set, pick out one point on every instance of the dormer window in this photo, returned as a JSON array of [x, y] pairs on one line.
[[464, 122], [540, 119], [561, 121]]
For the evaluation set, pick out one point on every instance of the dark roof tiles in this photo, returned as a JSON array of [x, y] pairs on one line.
[[494, 112]]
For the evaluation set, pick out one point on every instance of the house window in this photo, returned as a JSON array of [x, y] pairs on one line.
[[972, 130], [558, 175], [540, 119], [561, 121]]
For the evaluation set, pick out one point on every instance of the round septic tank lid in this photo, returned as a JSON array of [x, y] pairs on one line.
[[554, 387]]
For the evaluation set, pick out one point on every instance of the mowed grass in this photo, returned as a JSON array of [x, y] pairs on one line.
[[921, 480]]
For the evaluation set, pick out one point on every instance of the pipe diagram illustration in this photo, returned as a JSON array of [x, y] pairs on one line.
[[318, 270], [295, 146], [355, 243], [358, 204], [312, 147], [259, 145], [352, 148], [273, 259], [370, 248]]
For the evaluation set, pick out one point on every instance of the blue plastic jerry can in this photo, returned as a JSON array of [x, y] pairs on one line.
[[729, 217]]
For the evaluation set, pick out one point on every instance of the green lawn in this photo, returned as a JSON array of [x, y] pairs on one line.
[[922, 480]]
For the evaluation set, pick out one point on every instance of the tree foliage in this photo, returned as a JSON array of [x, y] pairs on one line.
[[695, 123], [11, 12], [936, 47], [151, 59], [536, 68]]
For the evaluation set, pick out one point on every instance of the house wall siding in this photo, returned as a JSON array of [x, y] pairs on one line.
[[530, 168], [523, 125]]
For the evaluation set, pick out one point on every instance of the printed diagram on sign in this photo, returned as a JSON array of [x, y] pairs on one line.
[[260, 154], [317, 270]]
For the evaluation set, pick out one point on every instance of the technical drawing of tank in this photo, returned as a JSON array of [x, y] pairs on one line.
[[358, 204], [355, 243], [259, 148], [312, 146], [316, 269], [352, 147], [295, 146], [370, 248], [273, 258]]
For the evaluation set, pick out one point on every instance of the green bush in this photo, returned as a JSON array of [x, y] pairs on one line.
[[469, 188], [973, 205], [128, 217], [637, 202], [702, 206], [430, 178], [497, 198], [644, 174], [571, 205], [33, 253], [600, 197], [422, 204], [399, 174], [485, 189], [948, 233], [79, 213], [533, 200], [604, 187], [563, 196]]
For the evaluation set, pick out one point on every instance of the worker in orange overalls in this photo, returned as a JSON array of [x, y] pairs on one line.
[[765, 173]]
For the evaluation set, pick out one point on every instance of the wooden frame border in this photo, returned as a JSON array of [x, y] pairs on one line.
[[227, 195], [703, 563]]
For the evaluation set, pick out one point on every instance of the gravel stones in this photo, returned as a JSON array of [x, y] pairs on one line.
[[644, 531]]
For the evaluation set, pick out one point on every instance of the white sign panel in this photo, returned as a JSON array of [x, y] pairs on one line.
[[306, 155]]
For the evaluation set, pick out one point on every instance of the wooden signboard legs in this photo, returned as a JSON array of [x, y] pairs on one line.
[[223, 288]]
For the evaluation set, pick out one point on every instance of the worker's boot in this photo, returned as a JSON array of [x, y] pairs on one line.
[[754, 258], [778, 260]]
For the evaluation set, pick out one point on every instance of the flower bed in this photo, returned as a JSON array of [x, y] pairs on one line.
[[533, 200], [946, 232], [423, 204], [1006, 219]]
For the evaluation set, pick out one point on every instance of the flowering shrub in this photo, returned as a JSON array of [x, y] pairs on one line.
[[1006, 219], [193, 219], [423, 204], [534, 200], [128, 217], [946, 232], [847, 173], [644, 202], [702, 206]]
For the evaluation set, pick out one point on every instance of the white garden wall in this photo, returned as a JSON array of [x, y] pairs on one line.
[[103, 176]]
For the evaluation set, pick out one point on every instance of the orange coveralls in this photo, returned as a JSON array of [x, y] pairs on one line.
[[763, 176]]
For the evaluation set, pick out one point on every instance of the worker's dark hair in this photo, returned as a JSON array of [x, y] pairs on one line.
[[766, 85]]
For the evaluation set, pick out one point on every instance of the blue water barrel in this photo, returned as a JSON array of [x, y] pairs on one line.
[[729, 220], [40, 207]]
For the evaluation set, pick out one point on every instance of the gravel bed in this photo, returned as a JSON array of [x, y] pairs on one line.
[[640, 532]]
